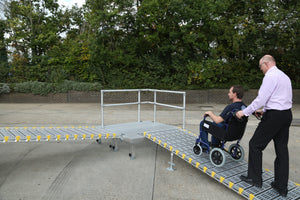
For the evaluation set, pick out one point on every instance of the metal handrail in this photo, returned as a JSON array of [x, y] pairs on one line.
[[155, 103]]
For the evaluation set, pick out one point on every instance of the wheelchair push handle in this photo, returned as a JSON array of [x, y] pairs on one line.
[[239, 119], [258, 115]]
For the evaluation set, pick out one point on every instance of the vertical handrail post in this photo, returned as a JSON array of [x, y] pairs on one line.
[[154, 112], [183, 123], [139, 105], [102, 112]]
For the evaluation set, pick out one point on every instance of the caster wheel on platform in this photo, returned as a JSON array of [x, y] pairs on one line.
[[217, 157], [98, 141]]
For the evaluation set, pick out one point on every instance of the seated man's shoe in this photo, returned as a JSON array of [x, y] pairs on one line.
[[204, 149], [282, 192], [250, 181], [213, 145]]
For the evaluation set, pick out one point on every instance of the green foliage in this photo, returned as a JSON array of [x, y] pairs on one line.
[[4, 88], [35, 87], [66, 86], [43, 88], [167, 44], [3, 53]]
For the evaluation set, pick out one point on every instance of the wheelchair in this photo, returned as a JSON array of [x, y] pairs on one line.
[[231, 131]]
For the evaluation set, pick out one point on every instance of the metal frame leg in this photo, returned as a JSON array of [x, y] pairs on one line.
[[171, 163], [132, 152]]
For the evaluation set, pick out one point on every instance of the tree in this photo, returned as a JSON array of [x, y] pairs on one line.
[[34, 27], [170, 44], [111, 27], [3, 54]]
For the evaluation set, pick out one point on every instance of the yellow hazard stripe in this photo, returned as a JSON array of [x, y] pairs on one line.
[[6, 138], [251, 196], [241, 190], [222, 179], [18, 138], [213, 174]]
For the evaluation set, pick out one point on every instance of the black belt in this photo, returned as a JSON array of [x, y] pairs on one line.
[[272, 110]]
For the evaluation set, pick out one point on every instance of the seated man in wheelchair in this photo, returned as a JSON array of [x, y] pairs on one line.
[[219, 126]]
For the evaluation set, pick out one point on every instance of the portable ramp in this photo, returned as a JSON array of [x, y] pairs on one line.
[[26, 134], [180, 142], [176, 140]]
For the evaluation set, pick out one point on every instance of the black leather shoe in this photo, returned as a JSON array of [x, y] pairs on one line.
[[204, 149], [250, 181], [282, 192], [215, 145]]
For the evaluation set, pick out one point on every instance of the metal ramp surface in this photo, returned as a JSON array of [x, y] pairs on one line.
[[26, 134], [180, 142], [175, 139]]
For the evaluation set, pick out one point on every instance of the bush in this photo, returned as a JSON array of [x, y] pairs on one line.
[[4, 88], [24, 87], [43, 88], [35, 87], [78, 86], [63, 87]]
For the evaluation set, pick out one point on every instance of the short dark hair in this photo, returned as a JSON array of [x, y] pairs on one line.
[[239, 90]]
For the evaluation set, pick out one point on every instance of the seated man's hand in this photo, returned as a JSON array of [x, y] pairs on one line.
[[207, 113]]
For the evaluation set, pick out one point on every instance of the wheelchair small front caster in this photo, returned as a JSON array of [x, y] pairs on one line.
[[197, 149]]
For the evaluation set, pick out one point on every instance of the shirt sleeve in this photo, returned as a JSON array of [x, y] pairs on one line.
[[265, 91], [225, 111]]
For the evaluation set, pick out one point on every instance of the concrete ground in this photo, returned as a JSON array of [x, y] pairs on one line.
[[80, 170]]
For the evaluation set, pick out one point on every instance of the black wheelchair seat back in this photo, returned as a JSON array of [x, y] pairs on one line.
[[213, 129], [233, 130], [236, 128]]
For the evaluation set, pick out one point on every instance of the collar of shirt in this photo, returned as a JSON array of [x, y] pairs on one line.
[[271, 69]]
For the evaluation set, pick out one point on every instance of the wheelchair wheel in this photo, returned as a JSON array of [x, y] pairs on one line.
[[197, 149], [239, 152], [217, 157]]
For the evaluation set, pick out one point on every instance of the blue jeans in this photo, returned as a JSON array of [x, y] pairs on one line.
[[204, 135]]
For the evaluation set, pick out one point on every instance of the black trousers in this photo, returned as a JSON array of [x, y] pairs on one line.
[[274, 126]]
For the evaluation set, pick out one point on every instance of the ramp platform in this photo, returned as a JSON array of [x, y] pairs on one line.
[[174, 139], [177, 140]]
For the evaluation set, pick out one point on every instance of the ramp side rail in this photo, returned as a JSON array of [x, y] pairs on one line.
[[139, 102]]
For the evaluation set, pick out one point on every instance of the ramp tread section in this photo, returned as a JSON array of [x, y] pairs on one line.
[[181, 143], [174, 139], [26, 134]]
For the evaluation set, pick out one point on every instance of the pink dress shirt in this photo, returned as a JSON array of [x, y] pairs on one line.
[[275, 92]]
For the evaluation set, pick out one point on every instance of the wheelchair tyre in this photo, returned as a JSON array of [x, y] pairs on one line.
[[217, 157], [197, 149], [239, 154]]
